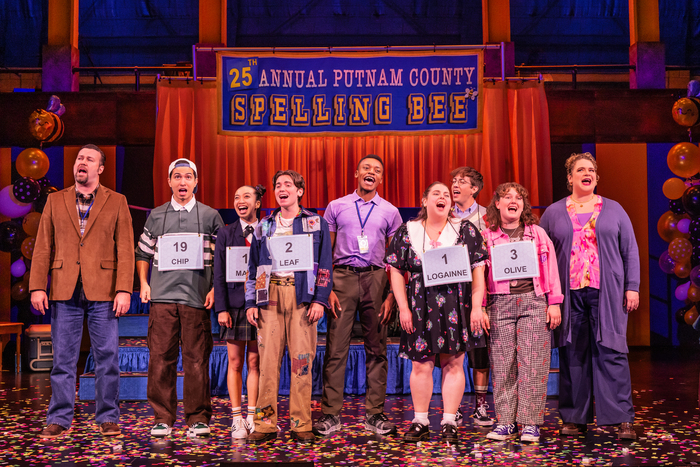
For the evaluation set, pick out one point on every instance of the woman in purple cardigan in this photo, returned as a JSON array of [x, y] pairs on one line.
[[598, 263]]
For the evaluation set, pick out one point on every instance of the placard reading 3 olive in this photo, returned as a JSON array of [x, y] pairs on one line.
[[237, 263], [292, 253], [447, 265], [517, 260], [182, 251]]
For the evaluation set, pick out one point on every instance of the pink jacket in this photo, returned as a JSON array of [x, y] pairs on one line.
[[548, 280]]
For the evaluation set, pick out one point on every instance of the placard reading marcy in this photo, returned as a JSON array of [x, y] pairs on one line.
[[446, 265], [237, 263], [292, 253], [180, 251], [437, 92], [517, 260]]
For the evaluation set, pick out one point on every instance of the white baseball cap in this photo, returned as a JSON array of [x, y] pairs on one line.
[[182, 162]]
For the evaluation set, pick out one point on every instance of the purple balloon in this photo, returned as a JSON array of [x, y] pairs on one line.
[[695, 276], [9, 207], [18, 268], [666, 263], [682, 291], [683, 225]]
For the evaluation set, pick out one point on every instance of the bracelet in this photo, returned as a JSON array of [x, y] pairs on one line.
[[390, 292]]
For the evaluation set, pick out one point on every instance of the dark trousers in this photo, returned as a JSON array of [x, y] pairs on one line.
[[66, 333], [361, 292], [168, 325], [589, 371]]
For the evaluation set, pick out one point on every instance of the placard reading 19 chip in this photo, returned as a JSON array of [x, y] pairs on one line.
[[446, 265], [237, 263], [292, 253], [517, 260], [180, 252]]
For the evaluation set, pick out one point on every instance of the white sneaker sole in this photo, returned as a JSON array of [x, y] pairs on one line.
[[483, 422], [530, 438], [374, 429], [500, 437], [161, 433], [331, 430]]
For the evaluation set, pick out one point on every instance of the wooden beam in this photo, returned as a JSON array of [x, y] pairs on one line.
[[644, 21], [496, 20], [63, 23], [212, 22]]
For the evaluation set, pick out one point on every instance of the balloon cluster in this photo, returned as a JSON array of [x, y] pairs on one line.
[[24, 200]]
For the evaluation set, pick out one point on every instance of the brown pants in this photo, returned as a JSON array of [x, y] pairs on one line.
[[362, 292], [281, 323], [168, 325]]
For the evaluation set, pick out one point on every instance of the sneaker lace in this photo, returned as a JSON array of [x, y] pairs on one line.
[[379, 417], [481, 410]]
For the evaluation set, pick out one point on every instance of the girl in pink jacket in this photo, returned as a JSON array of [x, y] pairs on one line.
[[524, 294]]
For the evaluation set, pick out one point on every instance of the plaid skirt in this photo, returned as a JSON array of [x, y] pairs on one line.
[[241, 329]]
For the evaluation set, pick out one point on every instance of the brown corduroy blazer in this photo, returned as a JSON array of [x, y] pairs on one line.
[[104, 256]]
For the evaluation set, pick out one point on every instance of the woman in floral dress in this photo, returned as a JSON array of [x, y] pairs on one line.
[[436, 320]]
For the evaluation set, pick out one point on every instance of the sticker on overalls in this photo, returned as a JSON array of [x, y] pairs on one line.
[[300, 365], [323, 278], [265, 412]]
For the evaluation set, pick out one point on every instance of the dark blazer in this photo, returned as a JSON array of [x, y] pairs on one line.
[[227, 295], [103, 256]]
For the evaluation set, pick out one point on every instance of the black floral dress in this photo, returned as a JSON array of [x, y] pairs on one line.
[[440, 313]]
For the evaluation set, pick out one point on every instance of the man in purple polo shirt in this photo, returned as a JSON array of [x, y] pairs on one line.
[[361, 225]]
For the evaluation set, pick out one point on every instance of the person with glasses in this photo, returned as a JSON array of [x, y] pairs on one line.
[[466, 185]]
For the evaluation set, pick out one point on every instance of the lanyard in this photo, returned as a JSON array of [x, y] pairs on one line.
[[363, 223], [83, 217]]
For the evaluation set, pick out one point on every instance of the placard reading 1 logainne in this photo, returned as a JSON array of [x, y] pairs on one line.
[[292, 253], [237, 263], [180, 252], [517, 260], [446, 265]]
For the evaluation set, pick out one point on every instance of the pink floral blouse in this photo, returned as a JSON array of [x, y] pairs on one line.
[[585, 267]]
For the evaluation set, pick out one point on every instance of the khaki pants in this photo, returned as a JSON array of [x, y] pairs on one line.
[[283, 322]]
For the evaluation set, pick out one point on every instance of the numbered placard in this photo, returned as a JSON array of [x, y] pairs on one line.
[[517, 260], [291, 253], [237, 263], [447, 265], [180, 252]]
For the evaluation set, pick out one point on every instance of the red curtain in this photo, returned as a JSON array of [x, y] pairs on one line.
[[514, 146]]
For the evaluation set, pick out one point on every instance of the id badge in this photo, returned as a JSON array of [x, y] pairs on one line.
[[363, 243]]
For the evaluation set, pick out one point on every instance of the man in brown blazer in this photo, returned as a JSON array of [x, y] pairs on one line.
[[86, 242]]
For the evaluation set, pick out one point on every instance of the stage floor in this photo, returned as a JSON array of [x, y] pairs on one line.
[[665, 385]]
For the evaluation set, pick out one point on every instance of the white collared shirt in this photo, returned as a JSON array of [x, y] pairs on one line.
[[178, 207]]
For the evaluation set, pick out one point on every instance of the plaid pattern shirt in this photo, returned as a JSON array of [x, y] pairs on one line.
[[84, 203]]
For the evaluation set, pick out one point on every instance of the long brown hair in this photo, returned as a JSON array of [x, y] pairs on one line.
[[493, 216], [423, 213]]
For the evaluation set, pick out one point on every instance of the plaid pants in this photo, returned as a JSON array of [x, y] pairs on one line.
[[520, 356]]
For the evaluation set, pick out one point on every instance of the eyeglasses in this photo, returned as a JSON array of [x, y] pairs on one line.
[[461, 181]]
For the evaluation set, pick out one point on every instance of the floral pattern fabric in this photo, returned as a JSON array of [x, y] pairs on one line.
[[584, 268], [440, 313]]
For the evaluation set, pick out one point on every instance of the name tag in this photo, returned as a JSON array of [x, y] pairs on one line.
[[292, 253], [237, 263], [180, 252], [447, 265], [517, 260]]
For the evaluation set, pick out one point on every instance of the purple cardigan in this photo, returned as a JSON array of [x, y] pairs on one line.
[[619, 269]]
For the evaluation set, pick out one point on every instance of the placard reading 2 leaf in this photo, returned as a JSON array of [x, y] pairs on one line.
[[517, 260], [446, 265], [181, 251], [292, 253], [237, 263]]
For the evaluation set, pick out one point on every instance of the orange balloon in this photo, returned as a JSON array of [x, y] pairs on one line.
[[20, 291], [684, 159], [33, 163], [682, 270], [686, 111], [680, 250], [27, 247], [694, 293], [691, 316], [674, 188], [45, 126], [667, 227], [30, 223]]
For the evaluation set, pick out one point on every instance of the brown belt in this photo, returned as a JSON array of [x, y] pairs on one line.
[[283, 281]]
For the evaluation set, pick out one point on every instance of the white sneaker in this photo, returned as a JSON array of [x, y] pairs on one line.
[[239, 429], [198, 429], [161, 430], [250, 424]]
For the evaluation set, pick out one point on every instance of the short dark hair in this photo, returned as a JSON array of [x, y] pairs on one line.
[[370, 156], [475, 178], [95, 148], [296, 178]]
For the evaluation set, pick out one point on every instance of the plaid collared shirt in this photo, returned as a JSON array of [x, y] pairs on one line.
[[84, 203]]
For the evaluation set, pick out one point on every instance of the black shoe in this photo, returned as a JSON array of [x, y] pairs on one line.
[[417, 432], [305, 437], [258, 437], [449, 433]]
